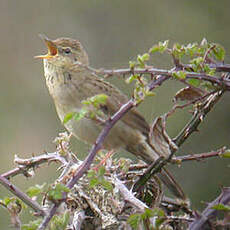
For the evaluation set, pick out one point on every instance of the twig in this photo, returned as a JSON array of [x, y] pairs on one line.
[[221, 67], [21, 195], [168, 73], [32, 162], [199, 222], [197, 118], [176, 205], [207, 53], [200, 156], [184, 134], [128, 196], [154, 168], [79, 217], [179, 218], [175, 107]]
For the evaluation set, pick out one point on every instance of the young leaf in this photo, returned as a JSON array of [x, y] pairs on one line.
[[101, 171], [154, 49], [60, 222], [221, 207], [93, 182], [134, 220], [35, 190], [78, 116], [163, 46], [179, 74], [100, 99], [68, 117], [131, 78], [219, 52], [145, 57], [194, 82], [132, 64], [107, 185], [56, 192], [226, 154], [32, 225]]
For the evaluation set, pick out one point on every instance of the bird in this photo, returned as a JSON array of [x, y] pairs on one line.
[[69, 83]]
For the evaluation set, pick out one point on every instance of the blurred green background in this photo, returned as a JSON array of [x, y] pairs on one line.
[[113, 33]]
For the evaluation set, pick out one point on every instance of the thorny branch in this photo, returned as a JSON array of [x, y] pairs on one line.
[[202, 219], [201, 156], [222, 82], [24, 166], [162, 76], [33, 162], [21, 195], [188, 130], [198, 117]]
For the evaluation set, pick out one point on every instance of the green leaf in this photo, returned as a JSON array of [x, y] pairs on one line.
[[194, 82], [221, 207], [8, 200], [154, 49], [68, 117], [219, 52], [179, 74], [161, 47], [159, 222], [35, 190], [60, 222], [191, 49], [212, 72], [106, 185], [197, 61], [62, 188], [101, 171], [91, 173], [93, 182], [96, 101], [32, 225], [149, 93], [226, 154], [132, 64], [134, 220], [147, 213], [78, 116], [206, 68], [140, 61], [100, 99], [131, 78], [56, 192], [145, 57], [153, 212]]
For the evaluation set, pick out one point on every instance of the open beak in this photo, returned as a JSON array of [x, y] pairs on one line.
[[52, 48]]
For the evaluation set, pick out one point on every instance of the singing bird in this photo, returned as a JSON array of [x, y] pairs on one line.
[[69, 83]]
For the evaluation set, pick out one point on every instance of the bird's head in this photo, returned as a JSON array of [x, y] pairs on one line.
[[64, 52]]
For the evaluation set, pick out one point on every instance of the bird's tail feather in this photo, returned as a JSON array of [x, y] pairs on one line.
[[145, 152], [169, 181]]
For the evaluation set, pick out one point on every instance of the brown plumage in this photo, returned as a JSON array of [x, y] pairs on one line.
[[69, 83]]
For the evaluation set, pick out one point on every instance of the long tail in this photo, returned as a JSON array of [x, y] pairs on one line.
[[171, 184], [145, 152]]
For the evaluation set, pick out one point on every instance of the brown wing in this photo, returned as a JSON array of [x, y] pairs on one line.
[[115, 100]]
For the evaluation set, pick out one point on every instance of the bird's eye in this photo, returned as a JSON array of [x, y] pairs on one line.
[[67, 50]]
